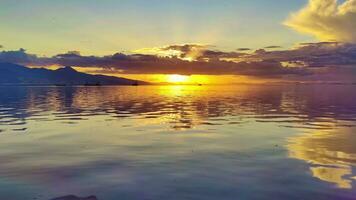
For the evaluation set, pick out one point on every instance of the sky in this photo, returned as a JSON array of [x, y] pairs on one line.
[[100, 27], [297, 40]]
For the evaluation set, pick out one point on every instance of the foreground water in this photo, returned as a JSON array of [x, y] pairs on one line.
[[179, 142]]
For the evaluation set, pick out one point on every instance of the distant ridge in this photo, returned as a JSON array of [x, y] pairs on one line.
[[13, 74]]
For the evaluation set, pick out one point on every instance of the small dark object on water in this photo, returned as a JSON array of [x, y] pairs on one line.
[[72, 197], [135, 84], [90, 84]]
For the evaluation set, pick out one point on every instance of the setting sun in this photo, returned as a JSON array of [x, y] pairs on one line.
[[177, 78]]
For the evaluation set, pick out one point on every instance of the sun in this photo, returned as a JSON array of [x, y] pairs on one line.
[[176, 78]]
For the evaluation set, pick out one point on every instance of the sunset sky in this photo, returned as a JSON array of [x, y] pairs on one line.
[[106, 27], [137, 38]]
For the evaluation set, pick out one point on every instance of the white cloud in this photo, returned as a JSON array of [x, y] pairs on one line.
[[326, 20]]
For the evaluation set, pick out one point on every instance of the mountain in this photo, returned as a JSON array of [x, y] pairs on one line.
[[13, 74]]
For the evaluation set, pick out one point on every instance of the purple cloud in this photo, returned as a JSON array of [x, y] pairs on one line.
[[305, 60]]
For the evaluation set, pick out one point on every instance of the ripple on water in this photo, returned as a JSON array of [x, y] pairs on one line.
[[195, 135]]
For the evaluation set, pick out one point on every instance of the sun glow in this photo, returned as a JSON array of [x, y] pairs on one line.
[[175, 78]]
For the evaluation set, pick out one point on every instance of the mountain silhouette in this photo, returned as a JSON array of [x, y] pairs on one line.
[[13, 74]]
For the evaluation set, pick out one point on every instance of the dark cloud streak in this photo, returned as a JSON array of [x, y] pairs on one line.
[[243, 49], [273, 47]]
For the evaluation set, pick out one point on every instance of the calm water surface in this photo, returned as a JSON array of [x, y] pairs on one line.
[[179, 142]]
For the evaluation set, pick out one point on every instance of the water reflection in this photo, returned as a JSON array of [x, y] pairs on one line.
[[331, 153], [183, 107], [178, 142]]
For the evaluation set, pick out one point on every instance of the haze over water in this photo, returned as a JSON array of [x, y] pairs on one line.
[[179, 142]]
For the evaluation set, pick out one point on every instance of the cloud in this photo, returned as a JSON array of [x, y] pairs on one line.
[[150, 64], [323, 54], [70, 54], [307, 59], [188, 52], [273, 47], [243, 49], [327, 20], [207, 64], [19, 56]]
